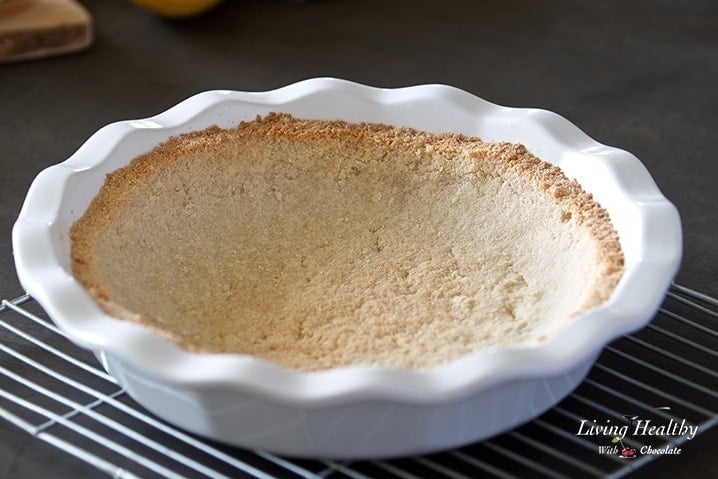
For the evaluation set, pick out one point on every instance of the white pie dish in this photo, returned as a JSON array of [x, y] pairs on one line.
[[356, 412]]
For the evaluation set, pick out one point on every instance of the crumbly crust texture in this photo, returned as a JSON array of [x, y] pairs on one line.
[[321, 244]]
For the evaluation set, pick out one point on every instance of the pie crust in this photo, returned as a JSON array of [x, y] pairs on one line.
[[321, 244]]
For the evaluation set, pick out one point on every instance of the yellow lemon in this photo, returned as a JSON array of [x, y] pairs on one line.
[[177, 8]]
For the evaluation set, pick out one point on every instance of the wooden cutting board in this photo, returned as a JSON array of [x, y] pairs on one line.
[[38, 28]]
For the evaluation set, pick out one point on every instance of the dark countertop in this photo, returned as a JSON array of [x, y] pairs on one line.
[[640, 75]]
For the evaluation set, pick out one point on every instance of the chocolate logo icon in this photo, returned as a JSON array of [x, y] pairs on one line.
[[625, 452]]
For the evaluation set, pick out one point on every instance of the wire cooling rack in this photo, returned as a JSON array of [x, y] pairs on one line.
[[659, 384]]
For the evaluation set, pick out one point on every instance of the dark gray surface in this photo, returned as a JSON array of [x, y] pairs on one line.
[[640, 75]]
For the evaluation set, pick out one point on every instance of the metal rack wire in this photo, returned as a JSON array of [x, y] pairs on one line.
[[665, 373]]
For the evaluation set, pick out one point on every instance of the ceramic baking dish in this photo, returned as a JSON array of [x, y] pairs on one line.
[[353, 412]]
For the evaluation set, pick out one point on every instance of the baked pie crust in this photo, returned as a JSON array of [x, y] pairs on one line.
[[320, 244]]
